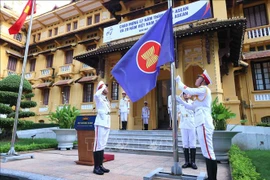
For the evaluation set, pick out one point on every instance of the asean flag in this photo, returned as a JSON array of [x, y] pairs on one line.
[[16, 27], [138, 69]]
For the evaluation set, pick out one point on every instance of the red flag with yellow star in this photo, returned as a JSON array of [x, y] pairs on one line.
[[16, 27]]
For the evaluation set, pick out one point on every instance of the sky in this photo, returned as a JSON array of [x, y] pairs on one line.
[[42, 5]]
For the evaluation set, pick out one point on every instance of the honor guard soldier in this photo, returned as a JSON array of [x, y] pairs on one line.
[[203, 119], [188, 132], [145, 115], [170, 110], [124, 110], [102, 127]]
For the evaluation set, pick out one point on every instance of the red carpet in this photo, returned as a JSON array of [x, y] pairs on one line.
[[108, 157]]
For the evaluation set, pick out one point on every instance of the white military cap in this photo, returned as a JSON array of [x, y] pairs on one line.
[[206, 77], [100, 85], [145, 102]]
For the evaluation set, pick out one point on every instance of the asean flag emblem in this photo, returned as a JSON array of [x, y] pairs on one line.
[[147, 56]]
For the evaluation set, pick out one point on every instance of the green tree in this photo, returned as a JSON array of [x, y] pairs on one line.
[[9, 88]]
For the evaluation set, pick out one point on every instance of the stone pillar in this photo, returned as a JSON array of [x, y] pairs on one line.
[[213, 68], [219, 9], [230, 99], [268, 8]]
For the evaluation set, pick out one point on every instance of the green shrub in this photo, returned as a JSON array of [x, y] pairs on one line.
[[28, 104], [242, 167], [12, 83], [263, 124], [4, 109], [29, 95], [22, 114], [7, 123], [38, 126], [29, 145], [10, 98]]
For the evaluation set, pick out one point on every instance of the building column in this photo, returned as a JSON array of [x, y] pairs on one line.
[[268, 8], [213, 68], [219, 9], [230, 99]]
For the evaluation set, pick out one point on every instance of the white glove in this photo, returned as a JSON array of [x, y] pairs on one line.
[[178, 79], [180, 84], [178, 99]]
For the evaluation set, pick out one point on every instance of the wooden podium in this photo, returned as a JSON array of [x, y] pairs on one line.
[[86, 136]]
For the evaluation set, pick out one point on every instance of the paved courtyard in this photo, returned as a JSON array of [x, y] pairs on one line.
[[56, 164]]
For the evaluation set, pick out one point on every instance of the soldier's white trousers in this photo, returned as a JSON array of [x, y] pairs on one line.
[[205, 137], [188, 138], [101, 138], [145, 120], [123, 116]]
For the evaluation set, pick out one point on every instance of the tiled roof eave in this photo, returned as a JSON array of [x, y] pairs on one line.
[[202, 28]]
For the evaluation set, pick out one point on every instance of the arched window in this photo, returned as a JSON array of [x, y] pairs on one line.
[[266, 119], [41, 121]]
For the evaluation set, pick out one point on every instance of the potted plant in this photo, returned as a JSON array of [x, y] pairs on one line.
[[222, 139], [65, 116]]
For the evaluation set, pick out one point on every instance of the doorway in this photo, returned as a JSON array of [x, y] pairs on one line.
[[163, 91]]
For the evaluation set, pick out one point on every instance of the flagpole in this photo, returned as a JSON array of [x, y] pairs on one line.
[[176, 169], [12, 148]]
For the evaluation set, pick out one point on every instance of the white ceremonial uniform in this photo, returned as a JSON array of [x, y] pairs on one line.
[[103, 120], [124, 108], [187, 126], [170, 106], [145, 114], [203, 119]]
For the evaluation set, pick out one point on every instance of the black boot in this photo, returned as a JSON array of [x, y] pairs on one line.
[[97, 169], [186, 154], [101, 162], [145, 126], [123, 125], [211, 166], [193, 156]]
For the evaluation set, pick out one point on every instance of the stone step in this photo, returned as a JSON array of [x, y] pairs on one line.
[[141, 132], [134, 150], [155, 142], [139, 137], [152, 146]]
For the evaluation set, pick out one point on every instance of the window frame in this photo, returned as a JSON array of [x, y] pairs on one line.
[[12, 63], [49, 62], [75, 25], [68, 27], [69, 60], [46, 96], [97, 20], [66, 93], [88, 20], [250, 15], [32, 65], [255, 81], [88, 92], [50, 33], [115, 90]]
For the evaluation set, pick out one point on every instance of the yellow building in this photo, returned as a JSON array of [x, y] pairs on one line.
[[234, 51]]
